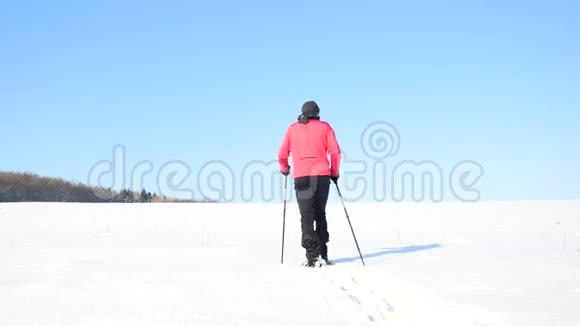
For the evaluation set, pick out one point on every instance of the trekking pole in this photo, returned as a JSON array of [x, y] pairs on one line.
[[349, 223], [284, 217]]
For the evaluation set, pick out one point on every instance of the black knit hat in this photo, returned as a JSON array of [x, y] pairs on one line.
[[310, 110]]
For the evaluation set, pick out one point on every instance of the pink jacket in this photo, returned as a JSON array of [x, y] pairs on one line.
[[310, 145]]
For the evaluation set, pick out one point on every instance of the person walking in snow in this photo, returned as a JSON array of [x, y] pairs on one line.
[[311, 142]]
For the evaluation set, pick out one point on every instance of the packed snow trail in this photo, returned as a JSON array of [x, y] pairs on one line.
[[361, 296]]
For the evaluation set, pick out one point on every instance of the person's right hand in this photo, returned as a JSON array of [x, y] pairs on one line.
[[334, 178], [286, 173]]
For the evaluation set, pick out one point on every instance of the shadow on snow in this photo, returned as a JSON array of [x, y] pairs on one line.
[[389, 251]]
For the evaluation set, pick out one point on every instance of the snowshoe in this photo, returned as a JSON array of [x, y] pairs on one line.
[[326, 261], [313, 264]]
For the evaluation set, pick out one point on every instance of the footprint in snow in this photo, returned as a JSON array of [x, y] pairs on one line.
[[390, 308], [363, 297], [354, 299]]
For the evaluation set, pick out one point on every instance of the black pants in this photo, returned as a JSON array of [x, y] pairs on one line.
[[312, 195]]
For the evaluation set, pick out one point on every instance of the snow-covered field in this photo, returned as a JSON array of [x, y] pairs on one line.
[[219, 264]]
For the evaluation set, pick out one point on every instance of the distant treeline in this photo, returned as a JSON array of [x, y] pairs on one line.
[[28, 187]]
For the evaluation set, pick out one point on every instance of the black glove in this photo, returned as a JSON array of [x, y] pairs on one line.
[[286, 173], [334, 178]]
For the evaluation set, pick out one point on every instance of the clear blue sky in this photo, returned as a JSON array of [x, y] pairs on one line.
[[497, 82]]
